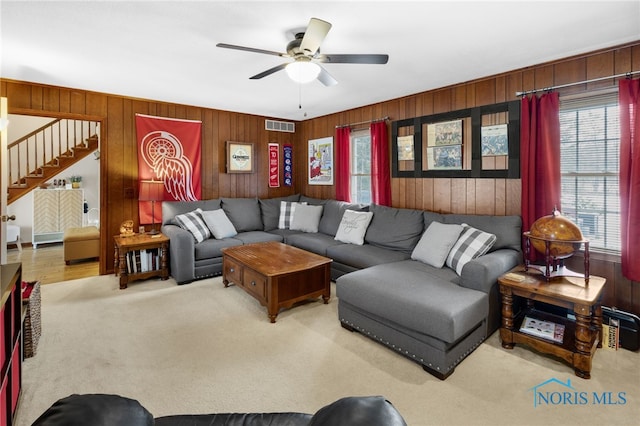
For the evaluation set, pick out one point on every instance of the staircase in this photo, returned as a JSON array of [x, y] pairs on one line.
[[36, 158]]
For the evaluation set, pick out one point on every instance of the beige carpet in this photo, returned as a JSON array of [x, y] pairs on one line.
[[201, 348]]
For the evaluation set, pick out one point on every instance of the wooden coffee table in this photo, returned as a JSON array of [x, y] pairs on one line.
[[582, 336], [276, 274]]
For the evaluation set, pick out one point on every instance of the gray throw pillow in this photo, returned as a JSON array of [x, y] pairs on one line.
[[435, 244], [244, 213], [306, 218], [353, 226], [219, 224]]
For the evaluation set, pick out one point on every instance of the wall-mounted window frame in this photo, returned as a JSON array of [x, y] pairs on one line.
[[410, 163]]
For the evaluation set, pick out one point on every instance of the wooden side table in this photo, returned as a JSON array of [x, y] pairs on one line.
[[141, 256], [581, 336]]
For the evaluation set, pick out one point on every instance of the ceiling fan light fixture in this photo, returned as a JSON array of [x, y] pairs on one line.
[[303, 71]]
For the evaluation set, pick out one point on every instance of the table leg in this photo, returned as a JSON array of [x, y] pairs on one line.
[[583, 339], [116, 259], [506, 332], [596, 322], [327, 286], [163, 262], [123, 269]]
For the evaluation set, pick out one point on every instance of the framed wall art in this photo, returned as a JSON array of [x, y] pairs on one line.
[[495, 140], [320, 160], [405, 148], [240, 157], [478, 142], [445, 133], [445, 157]]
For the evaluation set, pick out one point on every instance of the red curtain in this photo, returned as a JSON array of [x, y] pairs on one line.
[[629, 102], [539, 157], [380, 164], [343, 167]]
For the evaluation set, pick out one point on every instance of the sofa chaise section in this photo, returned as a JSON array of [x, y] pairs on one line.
[[432, 315], [430, 319]]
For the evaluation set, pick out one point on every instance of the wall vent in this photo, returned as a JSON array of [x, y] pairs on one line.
[[280, 126]]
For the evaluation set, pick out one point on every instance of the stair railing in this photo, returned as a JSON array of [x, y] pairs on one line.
[[30, 154]]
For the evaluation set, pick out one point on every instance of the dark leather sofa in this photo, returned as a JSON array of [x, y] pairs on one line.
[[115, 410]]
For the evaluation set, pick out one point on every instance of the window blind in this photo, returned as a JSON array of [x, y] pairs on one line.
[[589, 165]]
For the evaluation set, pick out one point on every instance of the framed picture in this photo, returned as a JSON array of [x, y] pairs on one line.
[[240, 157], [405, 148], [447, 157], [495, 140], [445, 133], [320, 160]]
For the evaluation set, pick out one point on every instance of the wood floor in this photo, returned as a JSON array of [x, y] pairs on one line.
[[46, 264]]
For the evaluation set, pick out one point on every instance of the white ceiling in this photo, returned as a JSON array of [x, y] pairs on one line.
[[166, 51]]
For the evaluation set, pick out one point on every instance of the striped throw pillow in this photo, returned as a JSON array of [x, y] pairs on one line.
[[472, 243], [194, 223], [287, 209]]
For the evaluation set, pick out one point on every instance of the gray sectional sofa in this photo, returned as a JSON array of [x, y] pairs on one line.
[[395, 288]]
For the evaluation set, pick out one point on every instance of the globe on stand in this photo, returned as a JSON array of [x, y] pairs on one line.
[[556, 238]]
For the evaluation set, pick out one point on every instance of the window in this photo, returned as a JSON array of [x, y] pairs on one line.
[[590, 156], [361, 167]]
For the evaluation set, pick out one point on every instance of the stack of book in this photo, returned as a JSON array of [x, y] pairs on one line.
[[543, 329], [139, 261]]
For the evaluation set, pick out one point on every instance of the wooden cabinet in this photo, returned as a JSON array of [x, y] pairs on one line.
[[55, 210], [10, 341], [141, 256], [582, 336]]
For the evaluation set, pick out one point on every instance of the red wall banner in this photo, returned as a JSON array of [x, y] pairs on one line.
[[274, 165], [169, 150]]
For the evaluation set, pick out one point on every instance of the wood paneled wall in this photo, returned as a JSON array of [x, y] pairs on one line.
[[486, 196], [477, 196], [118, 147]]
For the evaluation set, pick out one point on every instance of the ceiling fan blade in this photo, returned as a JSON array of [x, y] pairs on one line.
[[314, 36], [269, 71], [353, 59], [325, 78], [251, 49]]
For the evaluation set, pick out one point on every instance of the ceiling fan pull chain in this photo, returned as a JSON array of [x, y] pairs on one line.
[[300, 98]]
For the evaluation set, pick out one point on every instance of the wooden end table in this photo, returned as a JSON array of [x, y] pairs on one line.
[[581, 336], [140, 256], [276, 274]]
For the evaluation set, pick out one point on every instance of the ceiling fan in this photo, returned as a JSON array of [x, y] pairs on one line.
[[305, 52]]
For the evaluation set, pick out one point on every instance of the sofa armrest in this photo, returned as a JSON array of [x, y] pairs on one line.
[[483, 272], [181, 253], [235, 419]]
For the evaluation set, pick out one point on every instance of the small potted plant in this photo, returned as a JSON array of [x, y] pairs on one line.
[[75, 181]]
